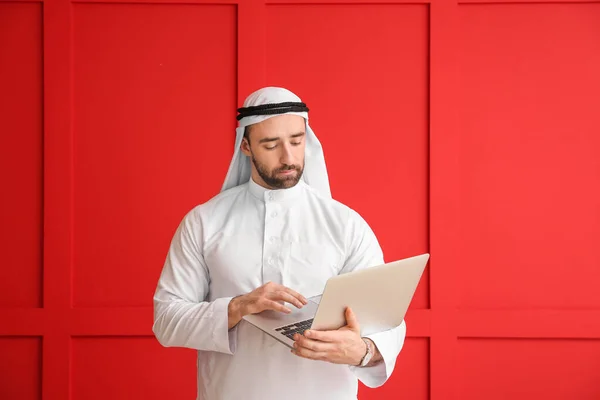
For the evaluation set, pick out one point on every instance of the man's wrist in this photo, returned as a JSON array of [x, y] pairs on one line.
[[233, 312], [375, 357], [365, 353]]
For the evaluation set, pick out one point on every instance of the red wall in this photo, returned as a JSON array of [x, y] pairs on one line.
[[469, 130]]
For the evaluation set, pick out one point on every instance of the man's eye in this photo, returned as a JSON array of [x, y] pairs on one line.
[[270, 148], [296, 143]]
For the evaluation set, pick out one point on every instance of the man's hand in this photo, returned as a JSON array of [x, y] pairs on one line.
[[269, 296], [342, 346]]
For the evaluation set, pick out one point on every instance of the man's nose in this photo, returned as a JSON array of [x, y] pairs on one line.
[[286, 154]]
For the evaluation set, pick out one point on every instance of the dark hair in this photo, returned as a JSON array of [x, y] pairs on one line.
[[247, 133]]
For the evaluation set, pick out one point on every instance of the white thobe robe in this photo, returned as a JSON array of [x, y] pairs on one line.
[[238, 241]]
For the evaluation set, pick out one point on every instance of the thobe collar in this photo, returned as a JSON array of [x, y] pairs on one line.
[[278, 195]]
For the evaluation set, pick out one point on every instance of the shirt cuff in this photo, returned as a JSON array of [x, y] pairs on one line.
[[372, 377], [389, 343], [225, 339]]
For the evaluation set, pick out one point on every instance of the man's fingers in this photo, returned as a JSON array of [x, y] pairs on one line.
[[314, 345], [272, 286], [323, 336], [273, 305], [271, 293], [284, 296], [307, 353], [295, 294]]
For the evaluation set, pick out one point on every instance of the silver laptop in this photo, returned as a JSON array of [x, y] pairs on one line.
[[379, 296]]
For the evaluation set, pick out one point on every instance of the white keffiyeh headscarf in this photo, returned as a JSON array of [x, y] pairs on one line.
[[315, 171]]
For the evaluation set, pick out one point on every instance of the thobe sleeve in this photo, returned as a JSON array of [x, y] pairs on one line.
[[182, 316], [363, 251]]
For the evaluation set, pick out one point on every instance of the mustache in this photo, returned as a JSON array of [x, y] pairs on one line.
[[288, 168]]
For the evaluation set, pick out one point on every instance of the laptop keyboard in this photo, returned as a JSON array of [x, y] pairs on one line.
[[297, 327]]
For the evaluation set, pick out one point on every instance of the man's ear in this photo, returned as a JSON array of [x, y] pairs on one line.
[[245, 147]]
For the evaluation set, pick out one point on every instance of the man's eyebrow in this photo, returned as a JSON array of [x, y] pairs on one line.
[[265, 140], [274, 139]]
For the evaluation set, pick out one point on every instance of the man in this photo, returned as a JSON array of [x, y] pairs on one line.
[[268, 241]]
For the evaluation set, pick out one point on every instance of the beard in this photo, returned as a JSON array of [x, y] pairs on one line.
[[278, 182]]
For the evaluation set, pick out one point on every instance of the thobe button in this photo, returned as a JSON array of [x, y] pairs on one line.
[[270, 261], [274, 214], [272, 238]]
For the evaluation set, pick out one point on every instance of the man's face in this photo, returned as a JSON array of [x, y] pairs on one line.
[[276, 148]]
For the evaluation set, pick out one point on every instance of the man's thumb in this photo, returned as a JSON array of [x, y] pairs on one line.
[[351, 319]]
